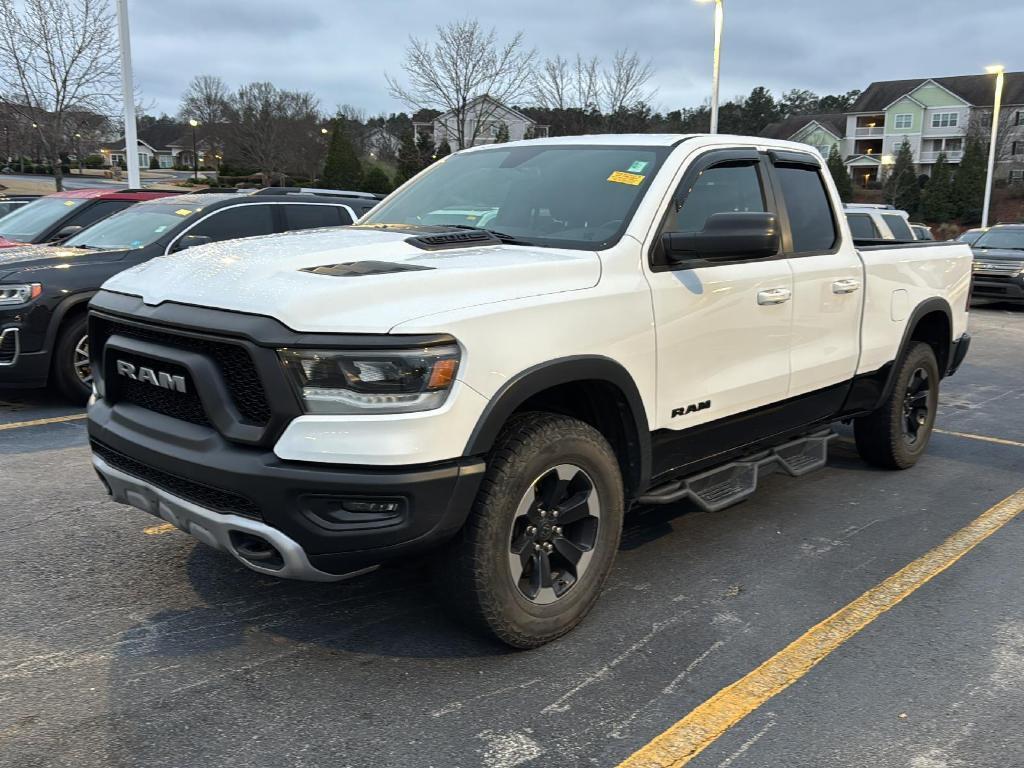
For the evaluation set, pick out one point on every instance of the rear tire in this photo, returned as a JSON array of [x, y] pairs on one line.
[[71, 372], [897, 434], [542, 535]]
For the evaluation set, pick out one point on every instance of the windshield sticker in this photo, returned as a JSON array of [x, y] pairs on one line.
[[160, 229], [69, 203], [183, 211], [638, 166], [621, 177]]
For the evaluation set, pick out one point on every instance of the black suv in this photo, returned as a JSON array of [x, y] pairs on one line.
[[44, 290], [999, 264]]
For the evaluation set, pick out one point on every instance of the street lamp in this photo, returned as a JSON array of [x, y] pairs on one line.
[[195, 157], [78, 151], [998, 70], [719, 24]]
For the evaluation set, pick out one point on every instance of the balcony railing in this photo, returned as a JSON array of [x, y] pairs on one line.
[[878, 130], [952, 155]]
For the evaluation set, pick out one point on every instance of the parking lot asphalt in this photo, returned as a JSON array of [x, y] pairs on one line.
[[124, 643]]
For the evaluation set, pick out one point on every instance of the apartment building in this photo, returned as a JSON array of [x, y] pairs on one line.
[[934, 115]]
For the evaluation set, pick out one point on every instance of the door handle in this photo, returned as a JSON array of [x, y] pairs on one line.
[[774, 296], [845, 286]]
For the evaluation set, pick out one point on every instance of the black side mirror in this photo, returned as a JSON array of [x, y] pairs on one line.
[[65, 232], [726, 237], [189, 241]]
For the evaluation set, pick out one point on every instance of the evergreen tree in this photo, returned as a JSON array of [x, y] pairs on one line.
[[839, 174], [968, 188], [901, 188], [937, 197], [377, 181], [410, 161], [443, 150], [342, 170], [758, 110], [502, 135], [425, 149]]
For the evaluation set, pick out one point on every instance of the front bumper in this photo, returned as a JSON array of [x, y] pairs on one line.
[[216, 490], [19, 368], [998, 289]]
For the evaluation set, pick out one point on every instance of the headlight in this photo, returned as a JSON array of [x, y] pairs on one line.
[[12, 295], [375, 381]]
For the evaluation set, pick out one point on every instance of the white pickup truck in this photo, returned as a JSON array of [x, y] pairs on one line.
[[511, 351]]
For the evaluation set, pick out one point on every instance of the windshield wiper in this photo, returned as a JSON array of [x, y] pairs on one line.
[[87, 247], [504, 237]]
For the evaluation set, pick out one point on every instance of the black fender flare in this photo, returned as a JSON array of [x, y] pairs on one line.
[[553, 373], [61, 311], [869, 391]]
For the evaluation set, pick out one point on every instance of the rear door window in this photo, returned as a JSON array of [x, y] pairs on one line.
[[237, 221], [898, 226], [862, 227], [811, 221], [312, 216]]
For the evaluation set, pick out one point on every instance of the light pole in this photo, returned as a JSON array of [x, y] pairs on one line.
[[719, 24], [131, 140], [998, 70], [195, 157], [78, 151]]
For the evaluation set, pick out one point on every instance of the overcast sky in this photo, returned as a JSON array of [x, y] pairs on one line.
[[340, 50]]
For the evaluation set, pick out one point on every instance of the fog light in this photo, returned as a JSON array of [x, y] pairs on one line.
[[355, 512]]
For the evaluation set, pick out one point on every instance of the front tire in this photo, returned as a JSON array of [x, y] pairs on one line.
[[897, 434], [542, 535], [71, 370]]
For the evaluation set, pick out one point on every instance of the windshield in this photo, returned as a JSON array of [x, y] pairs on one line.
[[132, 228], [560, 196], [970, 236], [30, 221], [999, 238]]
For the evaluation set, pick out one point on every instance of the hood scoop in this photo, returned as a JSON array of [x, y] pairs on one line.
[[468, 238], [362, 268]]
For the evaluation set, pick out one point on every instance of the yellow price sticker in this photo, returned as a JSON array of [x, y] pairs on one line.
[[183, 211], [621, 177], [69, 203]]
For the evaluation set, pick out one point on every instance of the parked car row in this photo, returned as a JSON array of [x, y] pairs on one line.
[[59, 250]]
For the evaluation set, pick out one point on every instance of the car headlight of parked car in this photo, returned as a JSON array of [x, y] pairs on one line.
[[371, 381], [17, 294]]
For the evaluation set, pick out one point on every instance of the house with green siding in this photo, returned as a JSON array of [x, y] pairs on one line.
[[934, 115]]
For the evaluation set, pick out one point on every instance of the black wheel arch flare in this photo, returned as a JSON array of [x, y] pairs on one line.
[[635, 455]]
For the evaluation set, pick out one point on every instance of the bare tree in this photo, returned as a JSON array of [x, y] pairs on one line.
[[205, 100], [588, 86], [57, 57], [624, 83], [273, 129], [463, 63], [1009, 136], [563, 84]]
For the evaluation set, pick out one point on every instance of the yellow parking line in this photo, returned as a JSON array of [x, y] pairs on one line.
[[704, 725], [985, 438], [156, 530], [41, 422]]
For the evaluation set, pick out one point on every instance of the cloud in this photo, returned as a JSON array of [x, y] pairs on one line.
[[340, 50]]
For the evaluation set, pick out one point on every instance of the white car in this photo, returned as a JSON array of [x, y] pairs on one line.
[[869, 222], [511, 351]]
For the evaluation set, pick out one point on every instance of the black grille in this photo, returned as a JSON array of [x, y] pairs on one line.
[[178, 405], [236, 366], [204, 495], [8, 346]]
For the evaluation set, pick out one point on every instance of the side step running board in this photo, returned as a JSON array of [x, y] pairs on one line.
[[722, 486]]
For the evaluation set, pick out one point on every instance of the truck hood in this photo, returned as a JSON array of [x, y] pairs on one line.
[[45, 256], [1012, 254], [391, 281]]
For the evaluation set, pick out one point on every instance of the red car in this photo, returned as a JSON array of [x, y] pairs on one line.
[[57, 217]]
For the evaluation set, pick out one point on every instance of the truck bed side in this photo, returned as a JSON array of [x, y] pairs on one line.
[[900, 280]]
